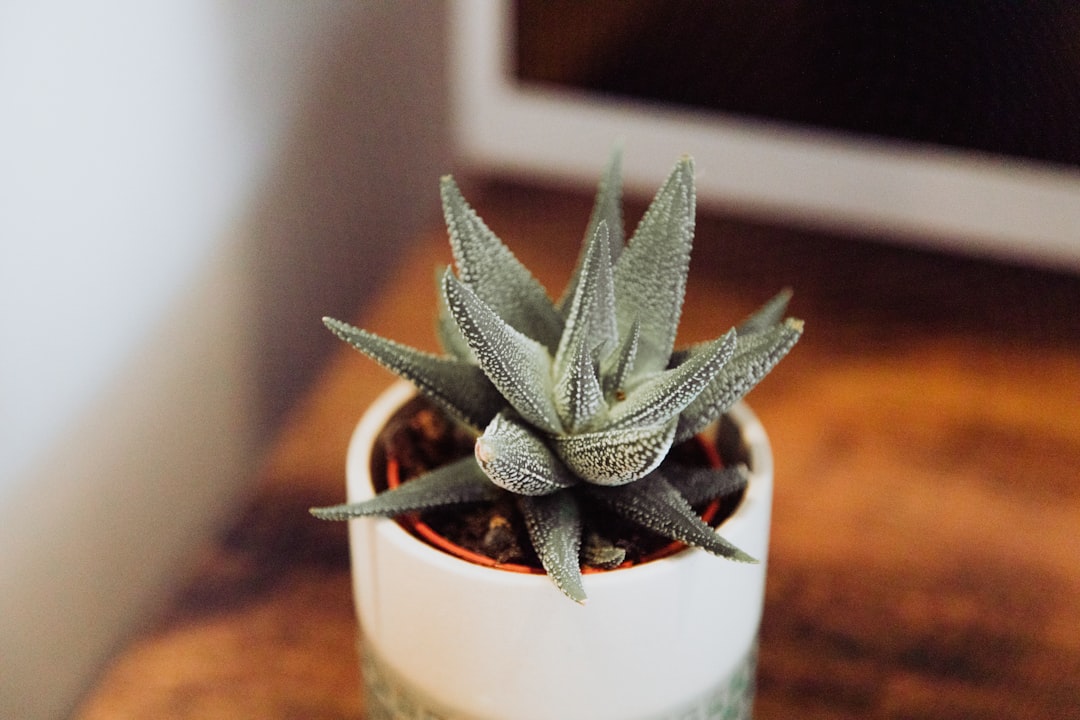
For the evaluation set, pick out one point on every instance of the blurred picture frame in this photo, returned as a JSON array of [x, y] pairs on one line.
[[977, 202]]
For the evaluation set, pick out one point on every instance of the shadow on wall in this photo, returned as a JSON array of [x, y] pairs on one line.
[[356, 181]]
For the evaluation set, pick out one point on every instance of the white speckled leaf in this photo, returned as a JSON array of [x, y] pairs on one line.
[[664, 396], [586, 396], [578, 395], [449, 334], [650, 276], [459, 482], [701, 484], [591, 320], [615, 371], [517, 365], [768, 315], [755, 355], [615, 457], [497, 277], [590, 332], [654, 503], [554, 525], [606, 209], [516, 459], [460, 387]]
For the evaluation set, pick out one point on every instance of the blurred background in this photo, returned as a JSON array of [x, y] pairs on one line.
[[187, 186]]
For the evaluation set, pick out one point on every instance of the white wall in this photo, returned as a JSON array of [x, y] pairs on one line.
[[184, 185]]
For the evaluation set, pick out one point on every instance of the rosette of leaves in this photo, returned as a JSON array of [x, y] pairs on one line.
[[577, 402]]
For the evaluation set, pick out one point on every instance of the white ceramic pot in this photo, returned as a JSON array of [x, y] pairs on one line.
[[672, 638]]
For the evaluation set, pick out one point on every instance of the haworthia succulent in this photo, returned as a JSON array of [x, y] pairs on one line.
[[554, 523], [448, 333], [754, 358], [615, 457], [579, 397], [458, 386], [590, 332], [515, 458], [768, 315], [663, 396], [701, 484], [619, 365], [459, 482], [654, 503], [497, 277], [583, 398], [607, 209], [517, 365], [650, 275], [591, 321]]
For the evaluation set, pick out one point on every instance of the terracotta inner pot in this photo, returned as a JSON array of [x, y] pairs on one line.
[[416, 525]]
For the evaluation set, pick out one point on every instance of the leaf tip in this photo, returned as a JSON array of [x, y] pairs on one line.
[[740, 556], [323, 513], [574, 591]]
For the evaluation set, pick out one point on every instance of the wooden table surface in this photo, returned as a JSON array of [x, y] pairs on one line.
[[925, 560]]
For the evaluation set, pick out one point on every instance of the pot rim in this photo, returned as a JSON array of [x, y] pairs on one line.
[[416, 525], [359, 487]]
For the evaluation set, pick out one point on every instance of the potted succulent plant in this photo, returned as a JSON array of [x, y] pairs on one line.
[[575, 477]]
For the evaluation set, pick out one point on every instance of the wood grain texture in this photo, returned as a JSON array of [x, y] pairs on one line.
[[924, 559]]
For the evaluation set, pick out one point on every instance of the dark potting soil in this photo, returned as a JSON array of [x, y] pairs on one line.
[[421, 437]]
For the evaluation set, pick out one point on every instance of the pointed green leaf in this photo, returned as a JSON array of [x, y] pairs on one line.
[[590, 331], [617, 368], [755, 355], [460, 387], [459, 482], [650, 276], [449, 334], [517, 365], [516, 459], [655, 504], [615, 457], [497, 277], [578, 395], [606, 209], [701, 484], [768, 315], [591, 319], [664, 396], [554, 525]]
